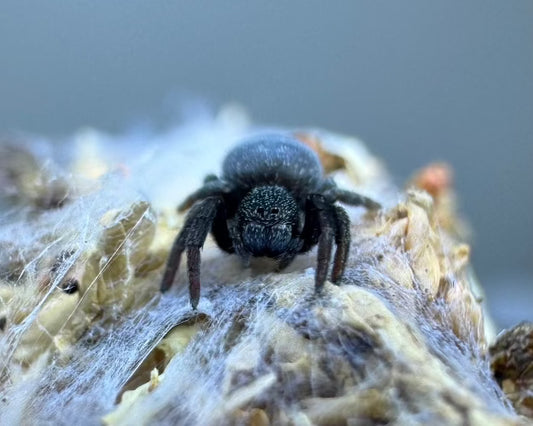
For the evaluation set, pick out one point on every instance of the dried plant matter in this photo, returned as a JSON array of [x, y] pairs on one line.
[[402, 341], [512, 365], [24, 180]]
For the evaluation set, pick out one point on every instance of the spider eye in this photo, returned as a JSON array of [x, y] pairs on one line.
[[274, 210], [260, 210]]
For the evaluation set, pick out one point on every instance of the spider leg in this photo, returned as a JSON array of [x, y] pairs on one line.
[[212, 187], [325, 241], [342, 240], [355, 199], [192, 237], [173, 260], [193, 272]]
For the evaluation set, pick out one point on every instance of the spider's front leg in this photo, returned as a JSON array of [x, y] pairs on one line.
[[334, 224], [326, 221], [343, 238], [192, 238], [325, 248]]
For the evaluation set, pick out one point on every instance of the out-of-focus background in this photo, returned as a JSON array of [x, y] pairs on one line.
[[418, 81]]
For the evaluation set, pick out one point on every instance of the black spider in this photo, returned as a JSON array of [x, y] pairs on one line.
[[272, 200]]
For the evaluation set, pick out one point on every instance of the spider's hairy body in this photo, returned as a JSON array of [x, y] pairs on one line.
[[273, 160], [271, 200]]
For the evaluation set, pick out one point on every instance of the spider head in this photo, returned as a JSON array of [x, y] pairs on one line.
[[268, 218]]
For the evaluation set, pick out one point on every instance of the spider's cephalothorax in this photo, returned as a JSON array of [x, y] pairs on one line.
[[272, 200], [266, 221]]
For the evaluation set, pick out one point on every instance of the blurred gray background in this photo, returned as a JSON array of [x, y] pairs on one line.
[[417, 80]]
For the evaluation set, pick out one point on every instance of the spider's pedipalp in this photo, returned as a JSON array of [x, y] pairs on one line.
[[286, 258]]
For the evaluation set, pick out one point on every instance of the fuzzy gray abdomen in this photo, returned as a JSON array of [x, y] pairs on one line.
[[272, 159]]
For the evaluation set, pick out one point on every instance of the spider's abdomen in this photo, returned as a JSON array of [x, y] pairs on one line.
[[273, 159]]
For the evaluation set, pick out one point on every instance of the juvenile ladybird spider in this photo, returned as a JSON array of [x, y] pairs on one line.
[[272, 200]]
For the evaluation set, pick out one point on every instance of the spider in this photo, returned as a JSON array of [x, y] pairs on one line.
[[272, 200]]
